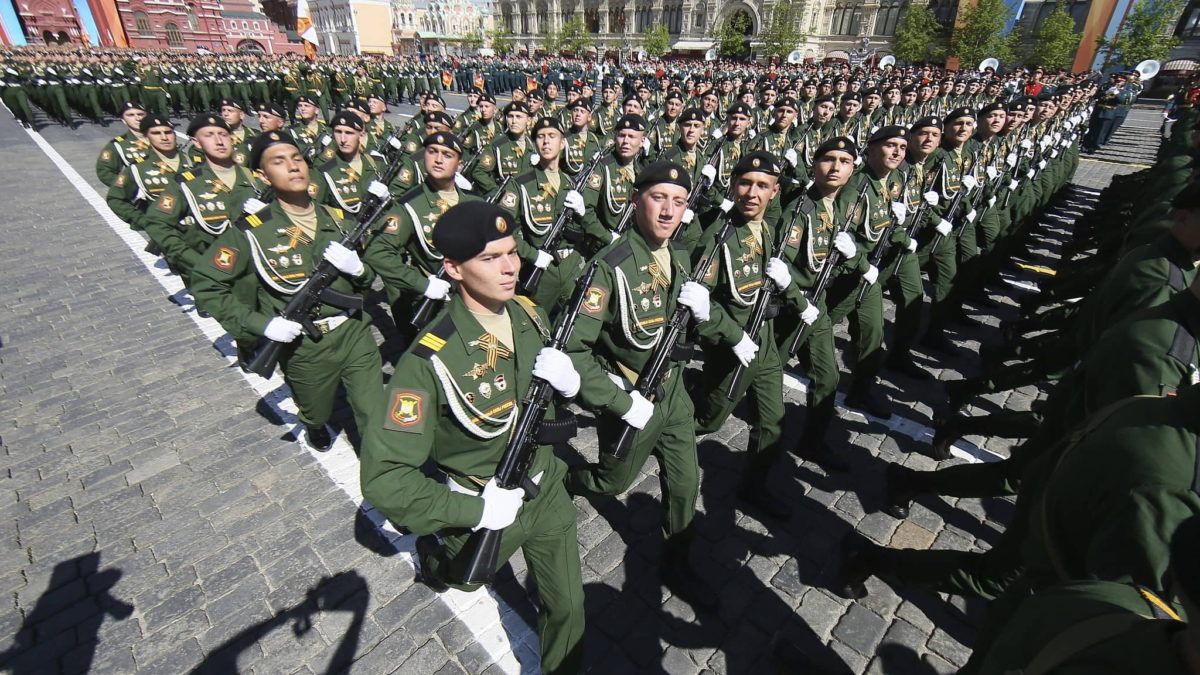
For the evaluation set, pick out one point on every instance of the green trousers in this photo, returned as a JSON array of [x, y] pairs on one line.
[[346, 356], [904, 287], [670, 437], [545, 532], [866, 323]]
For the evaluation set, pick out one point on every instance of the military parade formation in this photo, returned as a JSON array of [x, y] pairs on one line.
[[652, 246]]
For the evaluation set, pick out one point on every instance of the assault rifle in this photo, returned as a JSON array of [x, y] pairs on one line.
[[958, 197], [305, 302], [920, 216], [513, 470], [884, 242]]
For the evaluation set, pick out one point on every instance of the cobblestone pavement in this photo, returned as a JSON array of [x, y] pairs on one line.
[[159, 515]]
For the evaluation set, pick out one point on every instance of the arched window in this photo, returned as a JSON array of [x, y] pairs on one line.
[[701, 17], [174, 37], [847, 18], [888, 17], [143, 23]]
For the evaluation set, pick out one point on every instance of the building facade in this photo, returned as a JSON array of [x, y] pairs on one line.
[[352, 26], [49, 22]]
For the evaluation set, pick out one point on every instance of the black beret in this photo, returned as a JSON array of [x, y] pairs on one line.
[[759, 160], [546, 123], [202, 121], [635, 122], [822, 99], [786, 102], [908, 89], [673, 95], [1045, 96], [957, 113], [230, 103], [536, 94], [486, 97], [430, 96], [631, 97], [1185, 558], [991, 107], [577, 88], [738, 109], [345, 118], [154, 120], [930, 121], [888, 132], [516, 106], [692, 115], [271, 109], [579, 103], [837, 143], [871, 91], [1016, 106], [444, 138], [264, 141], [851, 96], [439, 117], [663, 172], [466, 228], [305, 98], [359, 104], [132, 105], [1189, 198], [377, 97]]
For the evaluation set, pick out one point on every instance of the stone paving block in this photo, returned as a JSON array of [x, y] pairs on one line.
[[860, 629]]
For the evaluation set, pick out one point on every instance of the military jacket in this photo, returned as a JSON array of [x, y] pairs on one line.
[[119, 153], [402, 251], [606, 195], [872, 220], [605, 118], [454, 398], [340, 184], [736, 275], [505, 156], [480, 134], [241, 149], [138, 185], [581, 147], [309, 136], [536, 203], [809, 241]]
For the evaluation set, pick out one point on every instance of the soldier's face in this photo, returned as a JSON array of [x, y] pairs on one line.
[[810, 90], [659, 210], [994, 121], [268, 122], [517, 122], [958, 130], [133, 118], [214, 142], [487, 110], [489, 278], [376, 106], [609, 95], [162, 139], [232, 116], [959, 89], [887, 154], [283, 168], [926, 140], [674, 107], [691, 132], [1046, 110], [833, 169], [850, 108], [580, 117], [873, 101], [738, 123], [752, 191], [633, 107], [784, 117], [347, 139], [441, 162], [629, 142], [549, 144], [709, 103], [769, 97], [306, 111], [823, 112]]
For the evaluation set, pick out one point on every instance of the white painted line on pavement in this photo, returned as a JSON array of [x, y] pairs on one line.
[[506, 637]]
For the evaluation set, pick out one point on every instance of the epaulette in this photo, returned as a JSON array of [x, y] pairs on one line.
[[618, 254], [527, 177], [334, 211], [184, 176], [412, 194], [328, 166], [1183, 347], [807, 206], [435, 338], [252, 220]]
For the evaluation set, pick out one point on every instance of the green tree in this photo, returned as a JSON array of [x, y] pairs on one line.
[[657, 41], [502, 40], [980, 34], [782, 34], [919, 37], [730, 36], [1055, 42], [1145, 34]]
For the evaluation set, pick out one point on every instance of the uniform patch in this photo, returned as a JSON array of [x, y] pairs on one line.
[[509, 201], [224, 258], [794, 236], [488, 161], [391, 224], [239, 158], [594, 181], [406, 176], [106, 155], [313, 189], [406, 411], [166, 203], [594, 299], [120, 180]]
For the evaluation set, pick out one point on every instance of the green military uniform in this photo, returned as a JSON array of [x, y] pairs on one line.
[[248, 276], [344, 183], [505, 156], [452, 399], [309, 135], [536, 199], [139, 185], [123, 150], [606, 195]]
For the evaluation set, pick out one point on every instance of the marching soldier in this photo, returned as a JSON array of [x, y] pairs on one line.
[[234, 115], [126, 148], [454, 395], [344, 170], [608, 187], [139, 184], [310, 131], [508, 154]]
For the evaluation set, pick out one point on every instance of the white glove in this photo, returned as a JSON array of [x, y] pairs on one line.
[[640, 412], [280, 329], [871, 275], [900, 211], [1012, 184], [844, 243], [646, 145], [709, 171], [543, 260], [556, 368], [613, 236], [810, 314], [462, 182], [790, 156], [778, 271], [753, 133], [932, 198], [574, 201], [688, 216], [500, 506], [991, 201], [1027, 144], [534, 158], [745, 350], [1042, 164], [718, 132], [437, 289], [972, 216], [912, 245], [943, 228], [992, 173], [345, 260], [1011, 160], [1030, 173], [695, 297], [969, 181]]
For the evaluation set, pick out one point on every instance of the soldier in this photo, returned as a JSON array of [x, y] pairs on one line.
[[273, 251], [344, 170], [411, 159], [608, 187], [640, 279], [234, 114], [310, 131], [139, 184], [581, 141], [1104, 119], [126, 148], [271, 117], [508, 154], [453, 396]]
